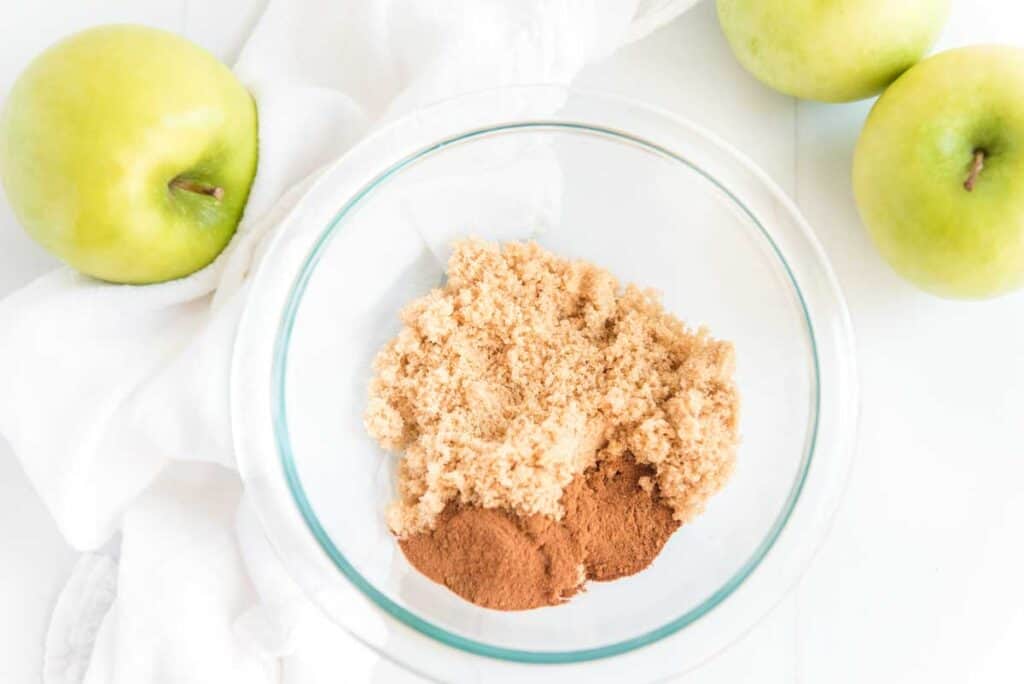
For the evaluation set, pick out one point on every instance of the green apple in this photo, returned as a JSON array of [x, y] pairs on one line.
[[938, 172], [831, 50], [129, 153]]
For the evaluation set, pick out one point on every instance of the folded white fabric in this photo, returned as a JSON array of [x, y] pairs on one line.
[[115, 398]]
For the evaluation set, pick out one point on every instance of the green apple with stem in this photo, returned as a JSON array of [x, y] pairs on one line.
[[938, 172], [129, 153], [830, 50]]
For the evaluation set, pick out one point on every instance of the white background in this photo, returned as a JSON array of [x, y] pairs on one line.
[[922, 577]]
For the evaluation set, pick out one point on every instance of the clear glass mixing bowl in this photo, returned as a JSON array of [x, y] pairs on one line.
[[651, 198]]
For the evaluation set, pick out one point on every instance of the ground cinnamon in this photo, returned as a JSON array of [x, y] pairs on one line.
[[614, 525]]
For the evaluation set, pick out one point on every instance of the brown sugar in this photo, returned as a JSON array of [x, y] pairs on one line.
[[525, 369], [612, 527]]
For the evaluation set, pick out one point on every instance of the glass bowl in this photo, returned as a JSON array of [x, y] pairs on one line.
[[656, 201]]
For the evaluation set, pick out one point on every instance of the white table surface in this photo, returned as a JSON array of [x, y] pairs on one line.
[[920, 579]]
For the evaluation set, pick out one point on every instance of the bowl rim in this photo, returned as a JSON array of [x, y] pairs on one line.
[[408, 617]]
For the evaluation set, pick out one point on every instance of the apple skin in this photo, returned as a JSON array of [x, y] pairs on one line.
[[832, 50], [913, 158], [94, 131]]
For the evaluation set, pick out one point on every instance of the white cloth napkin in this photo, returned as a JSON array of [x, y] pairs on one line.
[[115, 398]]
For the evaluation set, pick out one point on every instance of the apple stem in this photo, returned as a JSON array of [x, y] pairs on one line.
[[976, 168], [213, 191]]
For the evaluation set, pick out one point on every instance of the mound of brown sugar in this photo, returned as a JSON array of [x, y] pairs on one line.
[[612, 527], [525, 370]]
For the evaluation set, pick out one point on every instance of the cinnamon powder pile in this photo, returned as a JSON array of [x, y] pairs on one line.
[[612, 527]]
